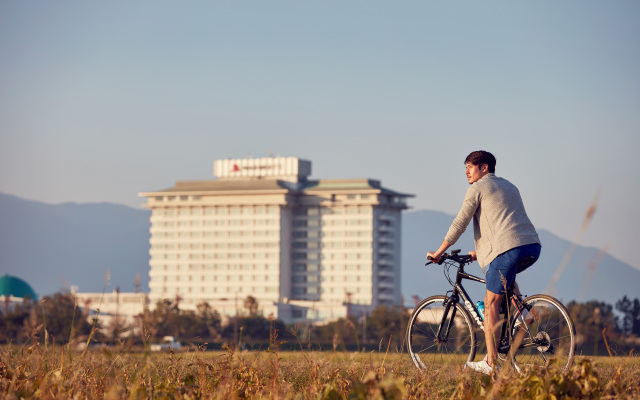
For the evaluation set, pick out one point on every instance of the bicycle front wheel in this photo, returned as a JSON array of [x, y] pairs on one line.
[[425, 345], [550, 335]]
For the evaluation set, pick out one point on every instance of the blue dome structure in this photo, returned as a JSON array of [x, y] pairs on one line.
[[16, 287]]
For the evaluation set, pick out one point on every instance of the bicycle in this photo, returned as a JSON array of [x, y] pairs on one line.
[[441, 327]]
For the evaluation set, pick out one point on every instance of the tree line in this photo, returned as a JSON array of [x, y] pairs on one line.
[[600, 327]]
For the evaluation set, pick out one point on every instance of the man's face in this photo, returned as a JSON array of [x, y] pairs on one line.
[[475, 172]]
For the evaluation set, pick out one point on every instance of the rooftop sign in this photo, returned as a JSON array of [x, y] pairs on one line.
[[287, 168]]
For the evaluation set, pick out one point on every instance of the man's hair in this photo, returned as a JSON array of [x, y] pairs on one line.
[[482, 157]]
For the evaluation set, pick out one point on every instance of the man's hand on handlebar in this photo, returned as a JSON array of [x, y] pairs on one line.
[[436, 256], [431, 256], [473, 255]]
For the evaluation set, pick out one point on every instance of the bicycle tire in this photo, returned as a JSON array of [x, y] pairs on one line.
[[422, 329], [554, 330]]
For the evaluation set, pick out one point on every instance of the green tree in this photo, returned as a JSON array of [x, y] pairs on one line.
[[256, 329], [163, 320], [337, 333], [630, 323], [251, 304], [60, 314], [388, 323], [14, 319], [591, 319], [208, 322]]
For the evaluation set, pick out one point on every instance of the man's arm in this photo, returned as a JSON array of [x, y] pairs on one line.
[[435, 255], [470, 204], [460, 223]]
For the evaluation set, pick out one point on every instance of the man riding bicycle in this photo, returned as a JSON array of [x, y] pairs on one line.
[[505, 239]]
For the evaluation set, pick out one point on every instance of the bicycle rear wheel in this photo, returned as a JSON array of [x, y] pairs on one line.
[[423, 344], [551, 335]]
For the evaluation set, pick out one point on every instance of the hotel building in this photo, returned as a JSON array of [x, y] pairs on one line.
[[305, 249]]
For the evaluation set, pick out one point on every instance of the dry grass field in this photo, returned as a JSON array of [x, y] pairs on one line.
[[33, 371]]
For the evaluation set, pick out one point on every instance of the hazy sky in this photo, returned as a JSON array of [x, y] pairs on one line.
[[102, 100]]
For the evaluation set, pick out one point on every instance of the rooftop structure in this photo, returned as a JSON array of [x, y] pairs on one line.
[[14, 291], [10, 286]]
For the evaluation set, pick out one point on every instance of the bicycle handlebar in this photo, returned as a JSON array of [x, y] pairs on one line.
[[453, 256]]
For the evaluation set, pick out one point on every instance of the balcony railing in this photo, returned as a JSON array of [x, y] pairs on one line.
[[386, 273]]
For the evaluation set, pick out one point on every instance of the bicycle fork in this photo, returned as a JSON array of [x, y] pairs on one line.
[[445, 313]]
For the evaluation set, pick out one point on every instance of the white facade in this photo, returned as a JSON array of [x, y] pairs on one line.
[[115, 309], [302, 248]]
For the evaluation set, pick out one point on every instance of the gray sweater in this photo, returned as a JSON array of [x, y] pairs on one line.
[[500, 222]]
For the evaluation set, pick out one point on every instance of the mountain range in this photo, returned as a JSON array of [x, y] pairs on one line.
[[54, 247]]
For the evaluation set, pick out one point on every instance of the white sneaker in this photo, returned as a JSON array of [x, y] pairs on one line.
[[523, 317], [480, 366]]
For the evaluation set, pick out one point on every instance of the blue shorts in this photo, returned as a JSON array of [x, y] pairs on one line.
[[510, 263]]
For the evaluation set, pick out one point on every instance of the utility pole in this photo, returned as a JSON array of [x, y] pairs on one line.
[[349, 294], [364, 327], [235, 322], [116, 333]]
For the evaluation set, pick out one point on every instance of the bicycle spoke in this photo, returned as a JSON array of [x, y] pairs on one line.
[[422, 333], [551, 335]]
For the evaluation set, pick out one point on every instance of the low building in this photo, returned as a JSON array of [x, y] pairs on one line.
[[115, 310]]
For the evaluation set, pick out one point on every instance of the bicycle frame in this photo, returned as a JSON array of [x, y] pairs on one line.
[[458, 292]]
